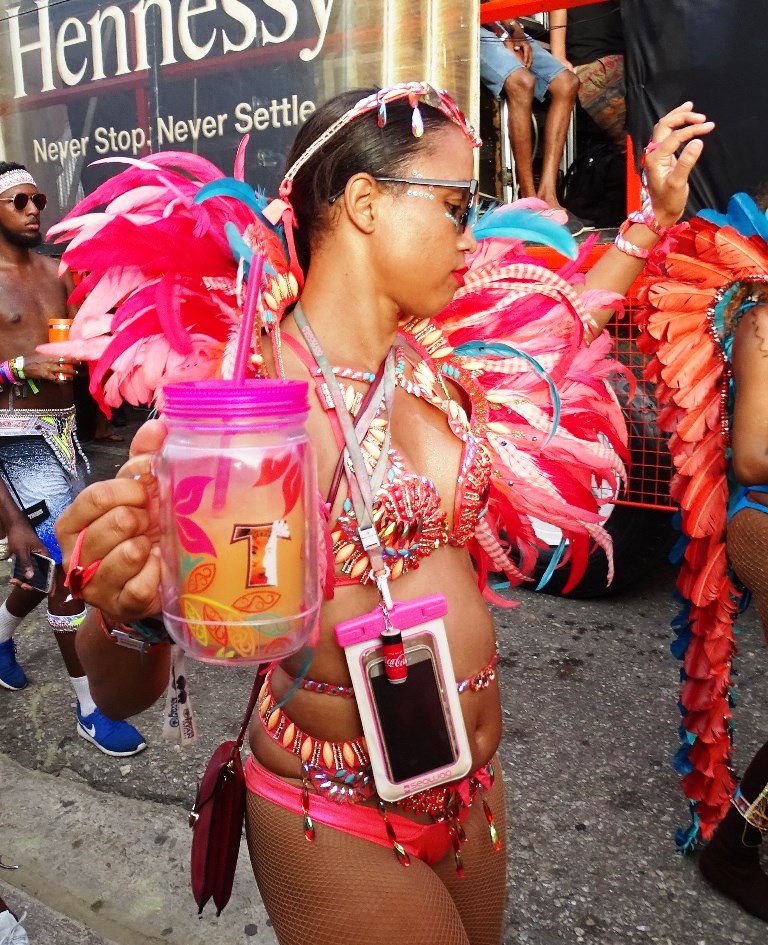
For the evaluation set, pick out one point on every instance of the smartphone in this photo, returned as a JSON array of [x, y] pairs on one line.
[[45, 569], [412, 718]]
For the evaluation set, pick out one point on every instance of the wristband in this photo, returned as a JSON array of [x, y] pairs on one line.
[[646, 215], [624, 246], [17, 366], [79, 575], [5, 373]]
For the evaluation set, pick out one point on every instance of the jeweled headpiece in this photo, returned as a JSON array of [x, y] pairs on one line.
[[414, 92], [14, 178]]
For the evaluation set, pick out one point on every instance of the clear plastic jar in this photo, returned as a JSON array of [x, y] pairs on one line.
[[239, 518]]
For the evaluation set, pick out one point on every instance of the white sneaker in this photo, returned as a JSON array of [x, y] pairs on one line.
[[11, 930]]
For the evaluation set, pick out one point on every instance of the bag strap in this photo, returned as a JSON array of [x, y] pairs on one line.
[[257, 683], [12, 487]]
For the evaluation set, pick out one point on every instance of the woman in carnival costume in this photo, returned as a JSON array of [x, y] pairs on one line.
[[706, 329], [500, 412]]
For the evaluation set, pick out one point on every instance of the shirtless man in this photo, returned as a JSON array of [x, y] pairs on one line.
[[39, 456]]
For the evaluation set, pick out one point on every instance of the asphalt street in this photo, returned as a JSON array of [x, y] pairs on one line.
[[589, 693]]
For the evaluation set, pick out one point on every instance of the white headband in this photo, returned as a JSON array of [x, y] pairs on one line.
[[14, 178]]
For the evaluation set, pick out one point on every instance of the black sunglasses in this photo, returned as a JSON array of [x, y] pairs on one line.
[[20, 201], [467, 215]]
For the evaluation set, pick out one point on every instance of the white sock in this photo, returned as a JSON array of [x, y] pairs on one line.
[[8, 624], [83, 693]]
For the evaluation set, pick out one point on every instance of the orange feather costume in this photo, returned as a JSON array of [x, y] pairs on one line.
[[686, 295]]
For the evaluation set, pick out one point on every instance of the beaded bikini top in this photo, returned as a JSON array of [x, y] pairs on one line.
[[408, 513]]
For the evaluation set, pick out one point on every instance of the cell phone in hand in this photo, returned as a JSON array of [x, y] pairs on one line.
[[42, 579]]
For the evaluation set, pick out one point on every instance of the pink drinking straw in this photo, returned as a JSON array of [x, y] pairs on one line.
[[247, 323], [248, 320]]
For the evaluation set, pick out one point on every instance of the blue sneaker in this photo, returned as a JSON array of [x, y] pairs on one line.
[[118, 739], [11, 674]]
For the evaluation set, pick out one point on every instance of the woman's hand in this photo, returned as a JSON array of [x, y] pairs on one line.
[[120, 517], [667, 175]]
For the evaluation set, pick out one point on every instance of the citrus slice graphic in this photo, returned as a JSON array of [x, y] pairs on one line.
[[256, 602], [200, 578], [193, 617], [215, 626]]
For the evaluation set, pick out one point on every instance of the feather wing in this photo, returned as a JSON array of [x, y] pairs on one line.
[[686, 362], [516, 330], [161, 296]]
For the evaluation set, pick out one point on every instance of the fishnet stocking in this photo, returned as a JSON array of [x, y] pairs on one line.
[[748, 554], [340, 890]]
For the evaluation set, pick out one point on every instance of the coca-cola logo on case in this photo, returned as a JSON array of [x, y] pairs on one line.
[[395, 662]]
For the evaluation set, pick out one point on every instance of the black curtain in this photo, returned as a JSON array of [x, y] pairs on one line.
[[714, 53]]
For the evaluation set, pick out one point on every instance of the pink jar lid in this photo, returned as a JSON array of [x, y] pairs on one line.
[[200, 400]]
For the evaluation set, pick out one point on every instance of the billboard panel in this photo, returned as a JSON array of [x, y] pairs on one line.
[[85, 80]]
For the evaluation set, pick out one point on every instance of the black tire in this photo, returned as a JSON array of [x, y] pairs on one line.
[[641, 537]]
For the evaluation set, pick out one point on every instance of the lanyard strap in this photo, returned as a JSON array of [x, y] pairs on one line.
[[362, 485]]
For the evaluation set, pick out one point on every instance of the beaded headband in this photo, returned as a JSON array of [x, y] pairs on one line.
[[14, 178], [414, 92]]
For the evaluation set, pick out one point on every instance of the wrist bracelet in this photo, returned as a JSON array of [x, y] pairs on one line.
[[17, 368], [624, 246], [142, 635]]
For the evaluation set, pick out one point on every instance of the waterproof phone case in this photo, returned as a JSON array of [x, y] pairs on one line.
[[414, 729]]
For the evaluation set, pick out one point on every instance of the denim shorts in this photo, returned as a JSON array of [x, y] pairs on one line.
[[35, 472], [497, 62]]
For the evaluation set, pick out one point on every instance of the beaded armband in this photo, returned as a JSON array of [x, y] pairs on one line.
[[141, 635]]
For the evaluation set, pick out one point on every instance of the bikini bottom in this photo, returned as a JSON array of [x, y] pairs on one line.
[[427, 842], [741, 500]]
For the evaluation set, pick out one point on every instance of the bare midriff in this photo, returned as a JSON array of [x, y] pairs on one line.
[[471, 638]]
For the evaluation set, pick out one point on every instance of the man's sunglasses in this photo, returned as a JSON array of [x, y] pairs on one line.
[[467, 215], [20, 201]]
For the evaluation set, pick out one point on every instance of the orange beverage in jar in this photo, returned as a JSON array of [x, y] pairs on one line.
[[58, 330]]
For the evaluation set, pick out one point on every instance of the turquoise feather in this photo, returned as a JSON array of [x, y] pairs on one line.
[[229, 187], [743, 215], [516, 223], [240, 249], [479, 349], [557, 554]]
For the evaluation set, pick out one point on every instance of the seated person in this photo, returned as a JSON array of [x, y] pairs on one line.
[[590, 40], [512, 63]]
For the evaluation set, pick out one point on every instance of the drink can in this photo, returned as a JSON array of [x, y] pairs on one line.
[[58, 330]]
